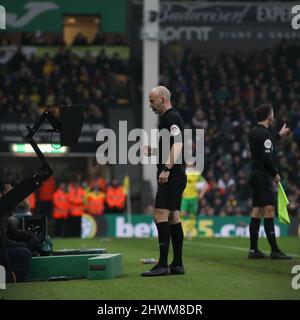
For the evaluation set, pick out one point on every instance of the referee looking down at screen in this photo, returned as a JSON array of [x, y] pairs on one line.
[[171, 179], [262, 176]]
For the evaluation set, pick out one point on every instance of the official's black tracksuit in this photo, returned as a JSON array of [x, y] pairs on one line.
[[263, 171]]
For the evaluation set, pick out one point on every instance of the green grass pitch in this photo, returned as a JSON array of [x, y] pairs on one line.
[[215, 269]]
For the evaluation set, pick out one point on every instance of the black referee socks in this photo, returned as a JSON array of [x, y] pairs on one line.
[[177, 241], [164, 242], [254, 230], [270, 232]]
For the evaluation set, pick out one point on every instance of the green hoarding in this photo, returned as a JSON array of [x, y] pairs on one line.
[[26, 15], [142, 226]]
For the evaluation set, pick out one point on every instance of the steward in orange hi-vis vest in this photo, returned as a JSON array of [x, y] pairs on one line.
[[96, 202], [61, 203], [32, 201], [115, 196], [76, 199]]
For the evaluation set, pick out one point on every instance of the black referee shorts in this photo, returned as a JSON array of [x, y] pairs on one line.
[[169, 194], [262, 189]]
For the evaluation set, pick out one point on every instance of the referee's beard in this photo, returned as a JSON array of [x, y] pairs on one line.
[[159, 109]]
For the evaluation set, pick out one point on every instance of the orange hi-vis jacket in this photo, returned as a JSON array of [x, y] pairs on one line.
[[61, 204], [32, 200], [101, 183], [96, 203], [115, 197], [76, 200], [47, 189]]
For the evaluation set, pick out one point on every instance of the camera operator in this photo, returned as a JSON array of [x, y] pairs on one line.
[[16, 246]]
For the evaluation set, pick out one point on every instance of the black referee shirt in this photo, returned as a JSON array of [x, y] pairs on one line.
[[171, 121], [261, 145]]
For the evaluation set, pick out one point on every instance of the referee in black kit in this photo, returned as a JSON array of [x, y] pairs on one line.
[[171, 179], [262, 175]]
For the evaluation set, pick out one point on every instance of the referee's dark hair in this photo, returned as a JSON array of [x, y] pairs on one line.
[[263, 111]]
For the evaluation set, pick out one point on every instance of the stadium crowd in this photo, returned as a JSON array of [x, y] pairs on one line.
[[220, 95], [28, 84], [216, 94]]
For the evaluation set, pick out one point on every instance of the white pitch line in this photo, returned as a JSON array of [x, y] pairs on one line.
[[228, 247]]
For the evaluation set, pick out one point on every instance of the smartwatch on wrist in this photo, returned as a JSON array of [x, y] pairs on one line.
[[166, 169]]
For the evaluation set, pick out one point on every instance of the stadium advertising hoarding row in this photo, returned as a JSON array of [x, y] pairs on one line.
[[216, 22], [47, 16], [142, 226], [231, 34], [232, 21], [186, 21], [226, 14]]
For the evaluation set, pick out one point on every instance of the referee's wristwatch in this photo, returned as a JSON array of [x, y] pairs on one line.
[[166, 169]]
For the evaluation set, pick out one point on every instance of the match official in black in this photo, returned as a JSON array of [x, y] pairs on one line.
[[262, 176], [171, 179]]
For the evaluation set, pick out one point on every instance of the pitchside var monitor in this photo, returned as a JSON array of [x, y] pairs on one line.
[[71, 118]]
